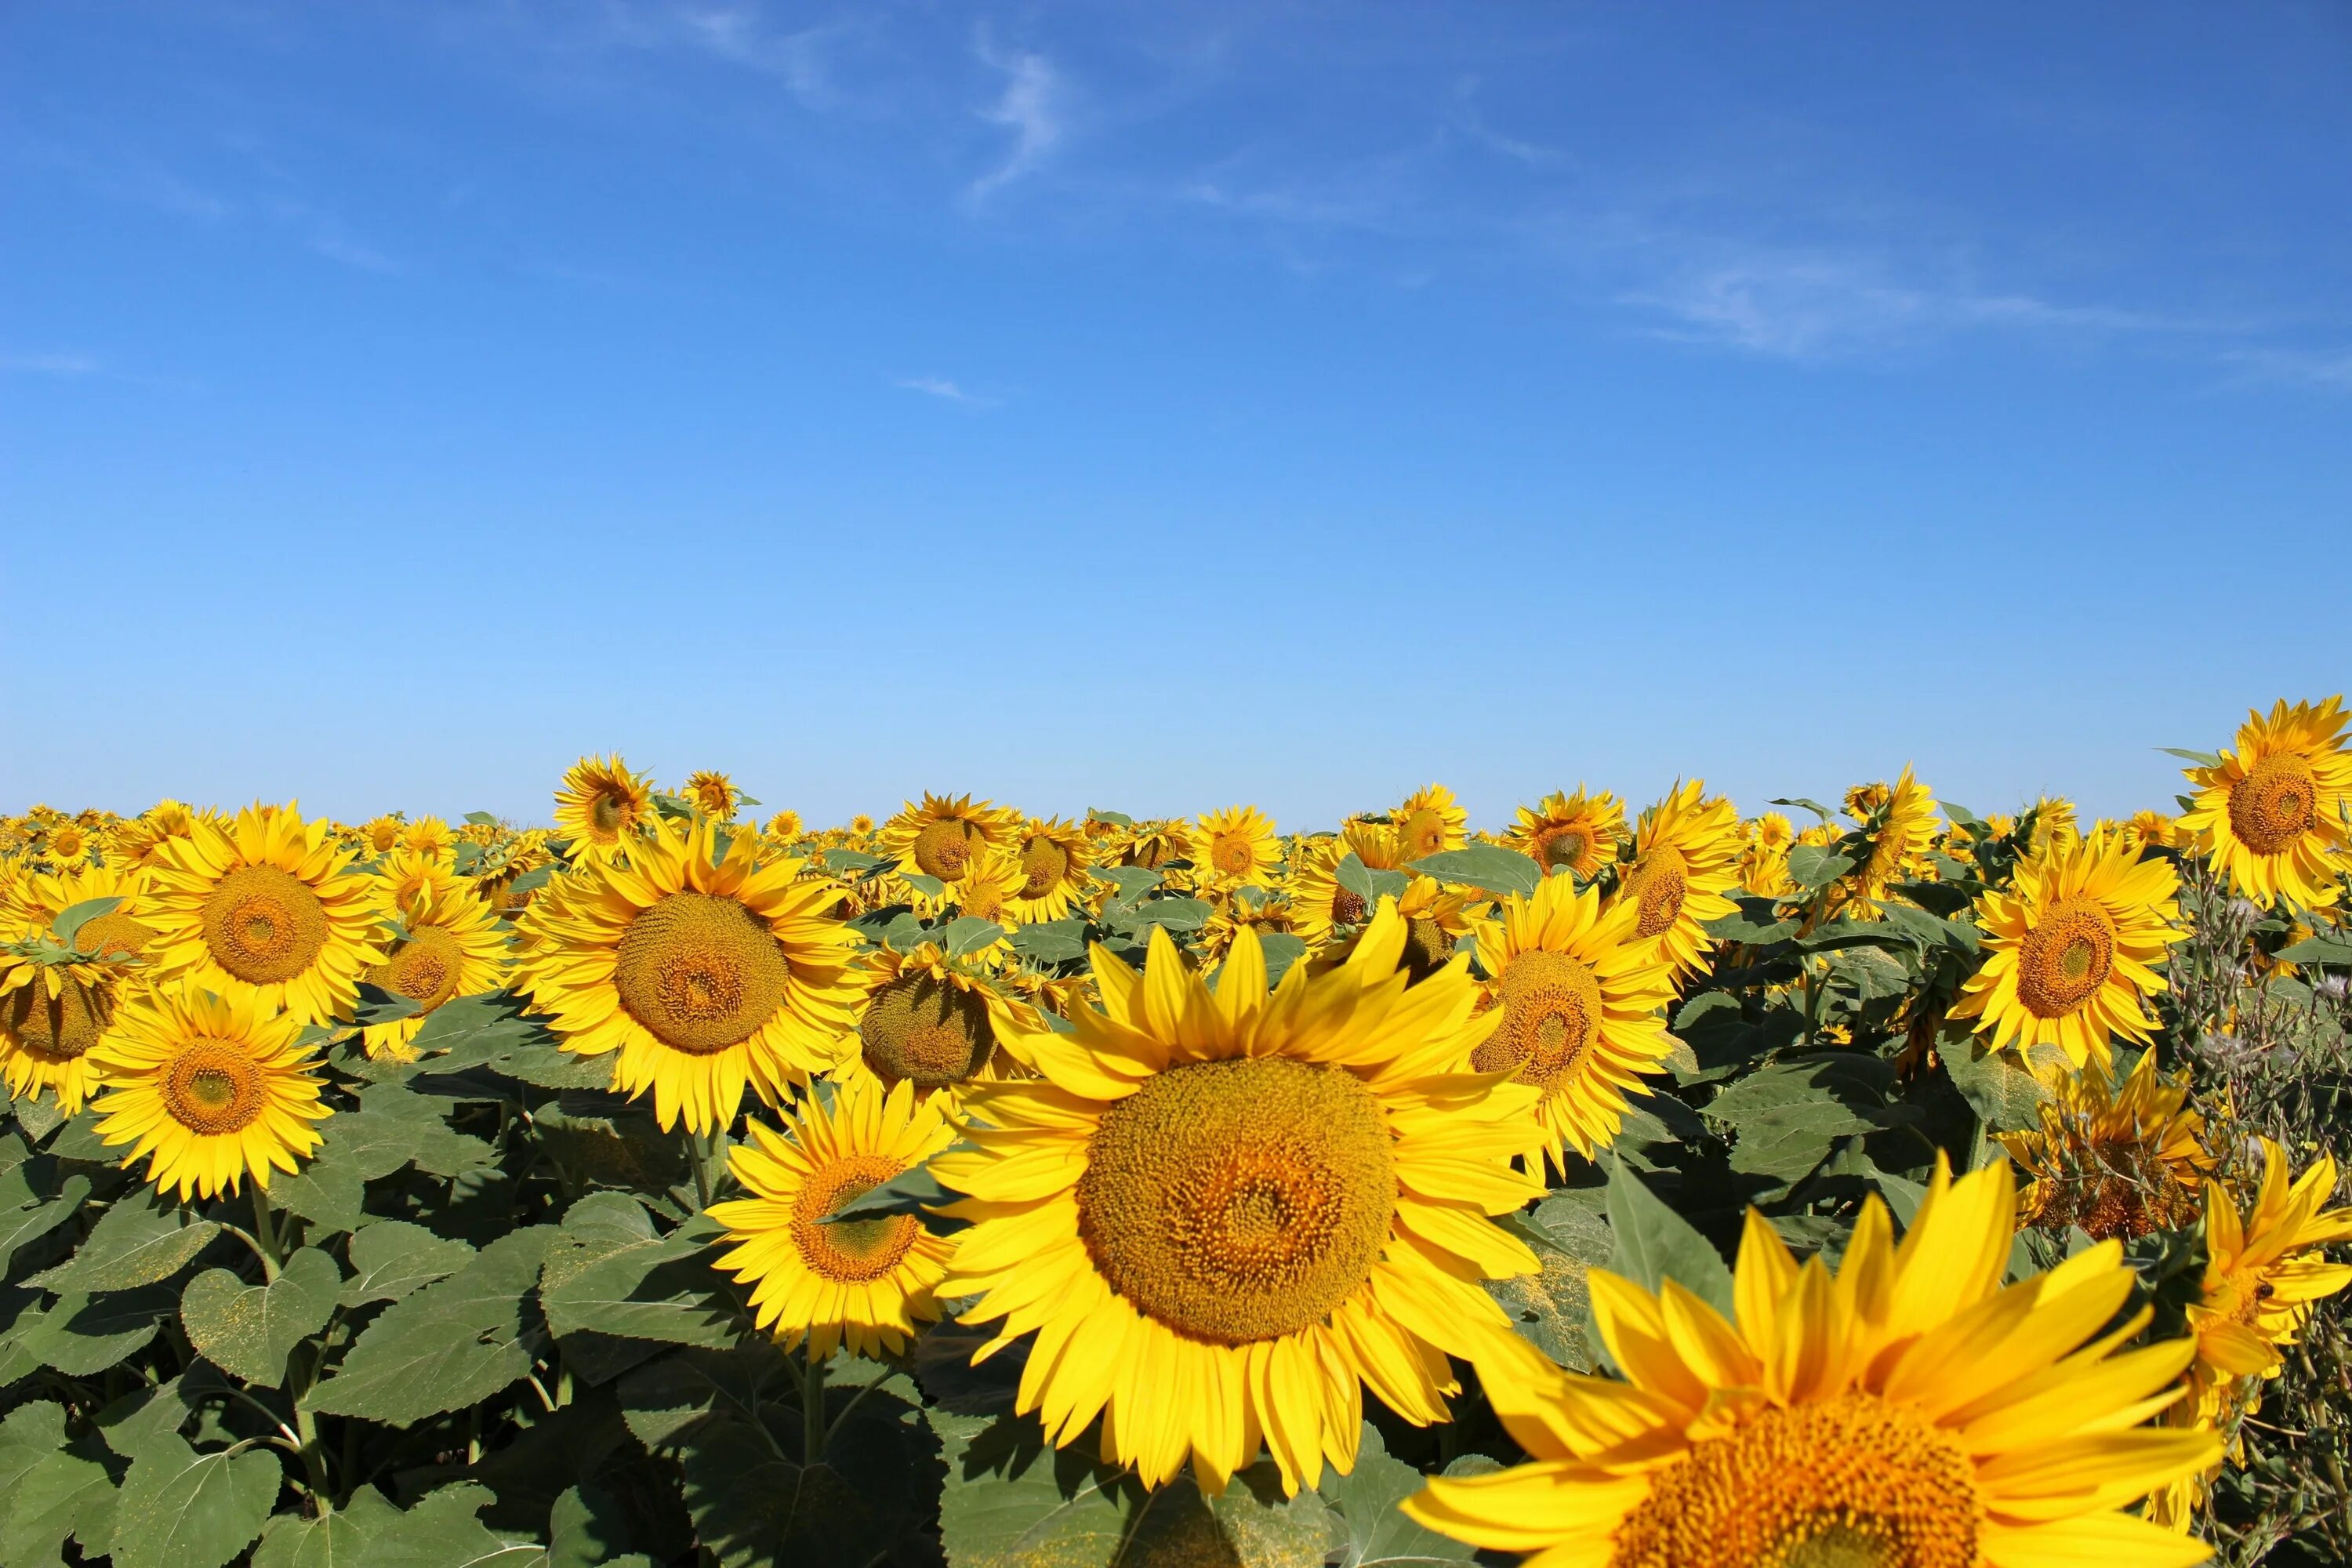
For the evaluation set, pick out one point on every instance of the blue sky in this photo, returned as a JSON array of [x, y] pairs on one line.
[[1164, 405]]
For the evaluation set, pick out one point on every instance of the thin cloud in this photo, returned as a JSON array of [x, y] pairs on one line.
[[52, 364], [2298, 366], [1030, 108], [940, 388]]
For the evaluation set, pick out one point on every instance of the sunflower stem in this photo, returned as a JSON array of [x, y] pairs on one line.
[[266, 1234], [812, 1407]]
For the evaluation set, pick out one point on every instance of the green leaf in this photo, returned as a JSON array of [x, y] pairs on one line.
[[395, 1126], [336, 1540], [143, 1238], [2005, 1096], [968, 934], [2331, 950], [586, 1528], [1550, 1308], [609, 1277], [248, 1331], [1756, 922], [1873, 973], [1377, 1535], [180, 1509], [1816, 807], [666, 1401], [376, 1005], [448, 1346], [1652, 1244], [1117, 818], [1176, 914], [843, 862], [1788, 1114], [2203, 759], [392, 1257], [1051, 941], [1812, 865], [73, 916], [1132, 881], [443, 1531], [914, 1192], [32, 1223], [930, 887], [1487, 867], [328, 1193], [1282, 950], [83, 1335], [67, 1492], [1367, 884]]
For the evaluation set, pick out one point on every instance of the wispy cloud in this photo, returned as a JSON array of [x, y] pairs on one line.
[[740, 33], [940, 388], [2324, 368], [1030, 106], [52, 364], [338, 247]]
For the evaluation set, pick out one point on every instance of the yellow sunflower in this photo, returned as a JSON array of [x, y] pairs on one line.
[[1764, 863], [1320, 909], [1429, 822], [1908, 1409], [1054, 857], [600, 806], [134, 843], [1899, 821], [2072, 949], [1237, 911], [863, 1285], [861, 825], [2055, 825], [713, 794], [702, 976], [1223, 1213], [1153, 845], [2271, 816], [1578, 833], [2151, 830], [942, 836], [1581, 998], [51, 1013], [2120, 1161], [211, 1087], [1685, 858], [450, 944], [932, 1023], [786, 828], [1235, 846], [265, 902], [428, 838], [990, 890]]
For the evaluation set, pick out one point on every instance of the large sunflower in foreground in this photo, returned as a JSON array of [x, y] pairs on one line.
[[51, 1013], [448, 945], [2272, 814], [1237, 846], [1053, 856], [1578, 833], [703, 977], [600, 805], [268, 903], [1907, 1412], [863, 1285], [1224, 1213], [1685, 858], [942, 836], [2072, 949], [2120, 1161], [213, 1088], [1581, 998], [1429, 821]]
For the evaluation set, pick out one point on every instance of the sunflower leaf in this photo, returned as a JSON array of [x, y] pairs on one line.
[[390, 1258], [1651, 1244], [443, 1532], [338, 1538], [2203, 759], [1549, 1307], [180, 1508], [249, 1330], [968, 934], [1816, 807], [621, 1279], [73, 916], [141, 1238], [1367, 884], [1812, 865], [1377, 1535], [1051, 941], [449, 1345], [916, 1192], [1489, 868]]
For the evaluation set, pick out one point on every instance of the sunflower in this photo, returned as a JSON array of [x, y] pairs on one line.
[[1899, 821], [428, 838], [1908, 1409], [1764, 863], [450, 944], [1237, 846], [2055, 825], [1242, 908], [1578, 833], [932, 1023], [51, 1013], [2271, 814], [1581, 998], [1436, 920], [786, 828], [713, 794], [861, 825], [702, 976], [1685, 857], [2263, 1270], [940, 837], [600, 806], [1153, 845], [507, 864], [1320, 909], [990, 889], [2121, 1159], [133, 844], [210, 1087], [265, 902], [1428, 822], [1221, 1212], [2152, 830], [382, 832], [2072, 950], [1054, 857]]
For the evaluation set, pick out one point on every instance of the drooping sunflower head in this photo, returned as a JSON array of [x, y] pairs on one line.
[[133, 843], [2272, 814], [1235, 846], [1428, 822], [600, 806], [2055, 825], [942, 836], [443, 942], [1054, 857], [428, 838], [861, 1284], [932, 1023], [1578, 833], [1154, 844], [1251, 908], [704, 974], [1908, 1410], [208, 1089], [713, 794], [1322, 907], [1686, 852], [2118, 1160], [1247, 1191], [1581, 999], [266, 903], [1900, 824], [2072, 949]]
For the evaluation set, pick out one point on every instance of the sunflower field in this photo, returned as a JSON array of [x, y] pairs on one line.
[[1867, 1185]]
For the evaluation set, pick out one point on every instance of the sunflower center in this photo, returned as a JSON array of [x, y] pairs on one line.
[[1562, 847], [58, 1028], [605, 815], [1427, 946], [263, 925], [1238, 1201], [1850, 1483], [1423, 831], [1232, 855], [1044, 864], [702, 972], [2276, 803], [927, 1031], [1347, 908], [1658, 885], [113, 932], [2065, 958], [850, 1251], [1551, 1011], [943, 850], [424, 968], [211, 1089]]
